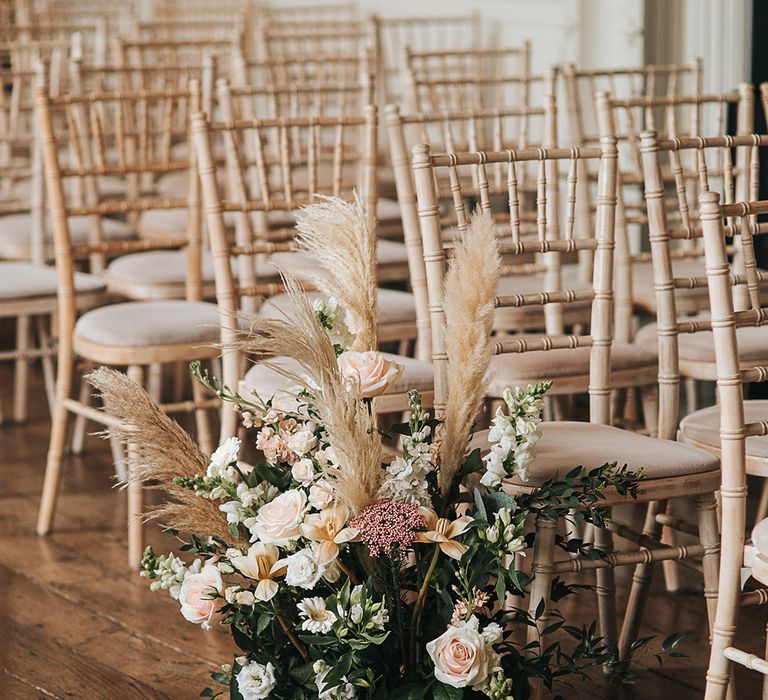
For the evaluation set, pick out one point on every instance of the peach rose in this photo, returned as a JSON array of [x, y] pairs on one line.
[[279, 521], [197, 605], [370, 370], [462, 656]]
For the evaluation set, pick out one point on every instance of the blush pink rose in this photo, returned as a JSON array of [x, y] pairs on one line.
[[462, 656], [197, 604], [370, 370], [279, 521]]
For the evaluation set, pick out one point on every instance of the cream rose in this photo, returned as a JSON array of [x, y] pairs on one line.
[[321, 494], [462, 656], [278, 522], [303, 471], [370, 370], [302, 569], [195, 596], [302, 442], [256, 681]]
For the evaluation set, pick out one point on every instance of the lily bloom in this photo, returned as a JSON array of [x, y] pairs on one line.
[[258, 565], [327, 528], [442, 532]]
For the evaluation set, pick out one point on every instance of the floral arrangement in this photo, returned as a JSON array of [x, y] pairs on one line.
[[349, 563]]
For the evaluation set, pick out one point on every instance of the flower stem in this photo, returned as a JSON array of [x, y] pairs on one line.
[[419, 605], [347, 571], [291, 636]]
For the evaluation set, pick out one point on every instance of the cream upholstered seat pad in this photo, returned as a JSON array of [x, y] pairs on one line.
[[20, 280], [142, 323], [171, 223], [393, 306], [269, 383], [687, 300], [163, 273], [388, 253], [518, 368], [700, 347], [16, 233], [703, 426], [565, 445]]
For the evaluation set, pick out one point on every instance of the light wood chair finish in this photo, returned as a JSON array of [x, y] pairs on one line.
[[116, 134], [552, 241], [726, 318]]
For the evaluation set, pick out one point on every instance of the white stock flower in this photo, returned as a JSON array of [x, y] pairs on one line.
[[222, 458], [302, 569], [256, 681], [302, 442], [317, 618]]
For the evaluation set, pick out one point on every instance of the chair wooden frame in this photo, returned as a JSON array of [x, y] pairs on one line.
[[134, 156]]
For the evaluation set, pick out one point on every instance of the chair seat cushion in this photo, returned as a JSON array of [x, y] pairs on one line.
[[703, 426], [565, 445], [142, 323], [300, 264], [171, 223], [269, 383], [16, 232], [394, 306], [518, 369], [700, 347], [19, 280], [687, 301]]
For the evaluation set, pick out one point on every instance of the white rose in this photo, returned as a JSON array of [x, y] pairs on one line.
[[302, 441], [461, 656], [356, 613], [197, 604], [303, 471], [255, 681], [278, 521], [224, 455], [370, 371], [302, 570], [321, 494]]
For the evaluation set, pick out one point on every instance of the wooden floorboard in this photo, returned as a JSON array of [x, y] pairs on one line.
[[76, 623]]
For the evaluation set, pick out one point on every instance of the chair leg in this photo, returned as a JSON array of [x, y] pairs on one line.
[[691, 395], [765, 678], [709, 536], [49, 376], [649, 396], [21, 370], [641, 581], [135, 538], [606, 591], [78, 430], [762, 508], [155, 382], [204, 434], [543, 556], [57, 442], [670, 568]]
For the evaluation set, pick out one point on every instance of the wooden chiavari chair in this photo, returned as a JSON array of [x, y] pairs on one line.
[[740, 426], [287, 12], [670, 469], [265, 184], [469, 79], [120, 134], [436, 33]]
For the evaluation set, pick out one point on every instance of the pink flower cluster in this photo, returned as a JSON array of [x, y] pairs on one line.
[[389, 527], [461, 611], [274, 443]]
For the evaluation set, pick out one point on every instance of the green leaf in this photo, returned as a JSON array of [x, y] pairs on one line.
[[446, 692], [409, 691], [472, 464]]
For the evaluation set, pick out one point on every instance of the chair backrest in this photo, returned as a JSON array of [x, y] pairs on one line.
[[550, 240], [303, 86], [124, 135], [471, 79], [670, 322], [471, 130], [89, 37], [677, 116], [289, 12], [342, 37], [312, 158], [622, 83], [432, 33]]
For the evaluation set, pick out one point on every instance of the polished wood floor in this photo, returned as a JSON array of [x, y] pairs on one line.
[[75, 623]]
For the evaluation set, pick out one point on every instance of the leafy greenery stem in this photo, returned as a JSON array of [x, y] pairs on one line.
[[289, 633], [394, 596], [347, 571], [419, 606]]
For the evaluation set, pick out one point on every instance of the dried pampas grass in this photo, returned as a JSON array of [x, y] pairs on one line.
[[470, 291], [338, 235], [161, 450], [351, 426]]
